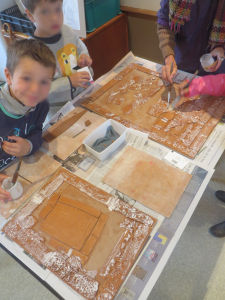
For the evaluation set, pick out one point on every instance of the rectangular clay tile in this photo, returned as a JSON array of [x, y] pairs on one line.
[[53, 200], [45, 211], [56, 245], [89, 245], [82, 206], [100, 225]]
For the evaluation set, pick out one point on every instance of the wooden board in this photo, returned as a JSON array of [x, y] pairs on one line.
[[87, 237], [148, 180], [136, 98], [63, 124]]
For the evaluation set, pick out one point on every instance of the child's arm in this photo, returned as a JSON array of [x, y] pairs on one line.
[[4, 195], [84, 60], [84, 57], [35, 135], [61, 90], [213, 85], [80, 79], [82, 50], [32, 141], [19, 147]]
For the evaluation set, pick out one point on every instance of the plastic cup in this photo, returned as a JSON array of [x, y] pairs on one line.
[[15, 190], [207, 61]]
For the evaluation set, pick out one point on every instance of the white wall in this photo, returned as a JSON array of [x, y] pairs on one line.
[[2, 58], [75, 18], [3, 5], [143, 4], [6, 3]]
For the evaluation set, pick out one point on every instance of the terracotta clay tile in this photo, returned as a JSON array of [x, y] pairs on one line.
[[45, 211], [56, 245], [100, 225], [77, 224], [53, 200], [137, 98], [113, 253], [89, 245], [148, 180], [83, 258], [82, 206]]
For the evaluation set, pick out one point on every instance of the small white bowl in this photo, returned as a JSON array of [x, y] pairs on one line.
[[100, 133], [15, 190]]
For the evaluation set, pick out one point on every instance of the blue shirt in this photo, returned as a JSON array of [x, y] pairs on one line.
[[26, 126]]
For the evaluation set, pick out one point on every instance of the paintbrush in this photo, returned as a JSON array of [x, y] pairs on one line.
[[177, 99], [16, 173], [169, 88]]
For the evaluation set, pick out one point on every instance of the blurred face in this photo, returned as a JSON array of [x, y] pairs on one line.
[[48, 18], [30, 83]]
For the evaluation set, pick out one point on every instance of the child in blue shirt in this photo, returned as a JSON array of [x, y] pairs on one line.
[[29, 71]]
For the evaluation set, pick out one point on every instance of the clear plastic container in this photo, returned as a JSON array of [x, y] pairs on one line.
[[99, 133], [207, 61]]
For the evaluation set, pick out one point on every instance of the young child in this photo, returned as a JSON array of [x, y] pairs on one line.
[[69, 50], [29, 71], [213, 85]]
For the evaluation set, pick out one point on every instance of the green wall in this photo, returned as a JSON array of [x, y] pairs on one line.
[[143, 37]]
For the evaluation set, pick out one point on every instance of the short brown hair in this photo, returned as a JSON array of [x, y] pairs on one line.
[[32, 4], [31, 48]]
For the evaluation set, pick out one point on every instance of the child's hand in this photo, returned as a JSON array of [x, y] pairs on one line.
[[84, 60], [218, 52], [80, 79], [183, 91], [4, 195], [20, 147]]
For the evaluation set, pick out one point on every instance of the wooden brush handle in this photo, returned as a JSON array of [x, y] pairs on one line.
[[16, 173]]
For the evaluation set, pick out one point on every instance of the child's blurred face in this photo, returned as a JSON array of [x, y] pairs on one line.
[[30, 83], [48, 18]]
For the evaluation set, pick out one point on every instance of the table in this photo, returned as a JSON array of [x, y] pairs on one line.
[[154, 257]]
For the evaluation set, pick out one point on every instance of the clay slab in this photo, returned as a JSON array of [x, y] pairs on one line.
[[148, 180], [88, 238], [63, 124], [137, 98]]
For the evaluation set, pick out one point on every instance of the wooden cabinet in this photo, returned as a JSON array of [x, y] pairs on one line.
[[108, 44]]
